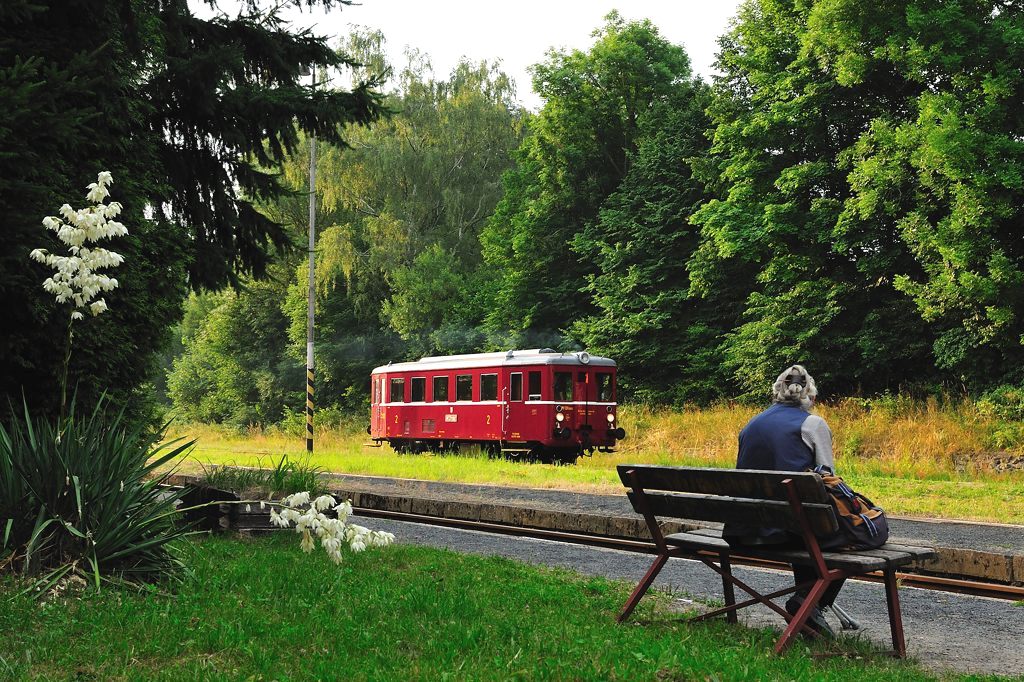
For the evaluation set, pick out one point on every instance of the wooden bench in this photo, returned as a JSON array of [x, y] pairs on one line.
[[797, 502]]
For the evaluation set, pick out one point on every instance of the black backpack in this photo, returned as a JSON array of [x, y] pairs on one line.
[[862, 524]]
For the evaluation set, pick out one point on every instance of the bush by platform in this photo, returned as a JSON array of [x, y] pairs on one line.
[[80, 500]]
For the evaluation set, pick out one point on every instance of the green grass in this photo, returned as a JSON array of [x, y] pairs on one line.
[[260, 609]]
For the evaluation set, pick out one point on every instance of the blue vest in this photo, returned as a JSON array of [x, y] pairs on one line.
[[772, 440]]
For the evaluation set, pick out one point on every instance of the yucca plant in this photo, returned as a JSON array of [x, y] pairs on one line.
[[82, 497]]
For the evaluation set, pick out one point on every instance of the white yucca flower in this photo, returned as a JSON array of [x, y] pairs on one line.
[[324, 502], [313, 524], [76, 277]]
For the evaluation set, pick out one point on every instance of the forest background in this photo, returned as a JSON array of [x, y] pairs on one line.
[[846, 194]]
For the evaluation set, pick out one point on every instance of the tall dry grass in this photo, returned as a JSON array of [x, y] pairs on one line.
[[895, 437], [933, 458], [933, 439]]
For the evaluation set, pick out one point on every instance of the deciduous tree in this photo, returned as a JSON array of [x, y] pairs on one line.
[[578, 151]]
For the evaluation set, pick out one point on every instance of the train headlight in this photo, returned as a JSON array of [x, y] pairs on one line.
[[559, 417], [611, 418]]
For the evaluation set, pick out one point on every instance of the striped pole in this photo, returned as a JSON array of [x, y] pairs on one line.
[[312, 287], [309, 408]]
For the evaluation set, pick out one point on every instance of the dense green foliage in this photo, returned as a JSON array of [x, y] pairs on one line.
[[640, 245], [260, 609], [399, 214], [845, 194], [86, 502], [177, 108], [597, 112], [818, 289]]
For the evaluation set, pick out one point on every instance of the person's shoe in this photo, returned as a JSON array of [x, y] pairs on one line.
[[816, 620]]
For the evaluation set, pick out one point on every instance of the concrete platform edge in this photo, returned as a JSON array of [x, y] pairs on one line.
[[950, 562]]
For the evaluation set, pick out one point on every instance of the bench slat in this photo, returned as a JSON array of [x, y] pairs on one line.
[[749, 483], [855, 561], [893, 554], [917, 551], [898, 555], [750, 512]]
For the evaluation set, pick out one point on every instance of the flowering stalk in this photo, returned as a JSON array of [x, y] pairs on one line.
[[76, 278], [310, 520]]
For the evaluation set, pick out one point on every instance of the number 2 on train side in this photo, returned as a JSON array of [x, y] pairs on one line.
[[488, 419]]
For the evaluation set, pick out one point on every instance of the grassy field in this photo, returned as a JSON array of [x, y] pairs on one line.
[[918, 459], [262, 610]]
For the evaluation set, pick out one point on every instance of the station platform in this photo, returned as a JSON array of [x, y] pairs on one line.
[[985, 551]]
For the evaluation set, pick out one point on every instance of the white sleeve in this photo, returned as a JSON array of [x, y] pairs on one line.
[[818, 437]]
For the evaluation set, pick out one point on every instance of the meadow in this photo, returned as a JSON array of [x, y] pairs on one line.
[[259, 609], [917, 458]]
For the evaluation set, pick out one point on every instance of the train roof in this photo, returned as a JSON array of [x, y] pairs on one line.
[[537, 356]]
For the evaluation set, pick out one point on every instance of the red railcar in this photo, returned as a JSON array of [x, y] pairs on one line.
[[526, 403]]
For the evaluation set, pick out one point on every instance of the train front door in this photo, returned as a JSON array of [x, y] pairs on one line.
[[583, 396], [516, 410]]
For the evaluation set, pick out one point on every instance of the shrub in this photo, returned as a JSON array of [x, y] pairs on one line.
[[282, 477], [1004, 402], [81, 497]]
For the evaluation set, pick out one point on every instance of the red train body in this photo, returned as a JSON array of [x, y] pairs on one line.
[[529, 403]]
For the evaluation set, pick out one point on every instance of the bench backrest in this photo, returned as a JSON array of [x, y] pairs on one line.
[[748, 496]]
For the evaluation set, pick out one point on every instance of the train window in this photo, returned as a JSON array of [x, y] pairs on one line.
[[428, 426], [419, 389], [440, 389], [464, 387], [397, 391], [517, 386], [605, 388], [488, 387], [563, 385], [534, 388]]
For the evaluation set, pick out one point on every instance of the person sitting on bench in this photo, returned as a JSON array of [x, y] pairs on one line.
[[787, 437]]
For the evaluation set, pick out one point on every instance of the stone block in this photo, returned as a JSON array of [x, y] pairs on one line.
[[1018, 569], [497, 513], [972, 564], [517, 515], [462, 511], [595, 524], [427, 506]]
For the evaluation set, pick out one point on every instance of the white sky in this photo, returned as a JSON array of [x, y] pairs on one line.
[[517, 33]]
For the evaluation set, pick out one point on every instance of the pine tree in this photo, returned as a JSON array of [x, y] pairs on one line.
[[191, 116]]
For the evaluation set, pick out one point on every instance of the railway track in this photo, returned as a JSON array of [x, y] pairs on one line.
[[928, 582]]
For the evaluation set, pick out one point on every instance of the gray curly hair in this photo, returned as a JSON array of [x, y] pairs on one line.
[[795, 387]]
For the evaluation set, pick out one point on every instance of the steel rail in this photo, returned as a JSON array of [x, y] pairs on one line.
[[919, 580]]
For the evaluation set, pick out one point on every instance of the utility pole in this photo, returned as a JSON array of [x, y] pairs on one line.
[[312, 282]]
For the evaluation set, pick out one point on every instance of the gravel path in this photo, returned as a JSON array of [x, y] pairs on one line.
[[944, 631]]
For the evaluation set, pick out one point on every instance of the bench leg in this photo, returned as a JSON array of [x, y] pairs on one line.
[[643, 586], [727, 588], [892, 598], [797, 623]]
